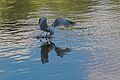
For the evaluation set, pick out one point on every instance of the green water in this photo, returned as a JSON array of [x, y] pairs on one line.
[[88, 51]]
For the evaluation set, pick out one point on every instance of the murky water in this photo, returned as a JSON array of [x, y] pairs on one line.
[[90, 51]]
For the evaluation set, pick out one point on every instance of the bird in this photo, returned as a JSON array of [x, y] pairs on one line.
[[51, 28]]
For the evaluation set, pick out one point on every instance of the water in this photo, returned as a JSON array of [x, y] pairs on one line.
[[90, 51]]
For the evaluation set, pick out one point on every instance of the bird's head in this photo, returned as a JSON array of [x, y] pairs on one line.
[[42, 19], [43, 23]]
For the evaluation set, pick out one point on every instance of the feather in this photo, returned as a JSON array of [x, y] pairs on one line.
[[62, 22], [58, 22]]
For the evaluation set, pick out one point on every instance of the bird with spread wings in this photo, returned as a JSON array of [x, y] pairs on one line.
[[51, 29]]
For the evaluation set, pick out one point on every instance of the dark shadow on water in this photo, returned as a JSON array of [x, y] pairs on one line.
[[46, 47]]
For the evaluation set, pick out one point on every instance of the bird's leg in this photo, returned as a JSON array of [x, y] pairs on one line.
[[41, 40], [41, 34], [48, 40], [46, 34]]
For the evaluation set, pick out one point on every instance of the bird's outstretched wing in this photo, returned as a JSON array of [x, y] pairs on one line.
[[62, 22]]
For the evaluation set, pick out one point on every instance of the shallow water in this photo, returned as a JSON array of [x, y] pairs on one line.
[[89, 51]]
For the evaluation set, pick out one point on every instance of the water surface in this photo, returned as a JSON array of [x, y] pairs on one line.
[[90, 51]]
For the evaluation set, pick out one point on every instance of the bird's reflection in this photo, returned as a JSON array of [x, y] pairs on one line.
[[47, 47]]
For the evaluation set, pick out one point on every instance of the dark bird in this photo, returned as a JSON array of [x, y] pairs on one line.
[[51, 29]]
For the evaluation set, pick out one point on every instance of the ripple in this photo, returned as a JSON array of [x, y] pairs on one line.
[[94, 41], [2, 71]]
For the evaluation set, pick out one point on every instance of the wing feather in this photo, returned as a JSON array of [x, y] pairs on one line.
[[62, 22]]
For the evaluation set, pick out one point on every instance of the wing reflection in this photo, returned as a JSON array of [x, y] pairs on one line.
[[47, 47], [61, 52]]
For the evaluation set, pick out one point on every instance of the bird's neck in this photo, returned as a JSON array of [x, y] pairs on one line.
[[43, 24]]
